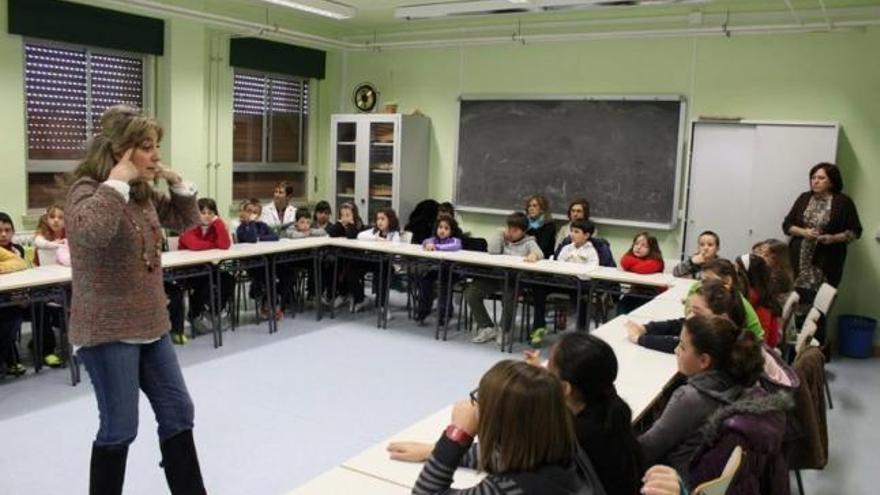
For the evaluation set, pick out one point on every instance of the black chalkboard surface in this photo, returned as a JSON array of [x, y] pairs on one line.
[[622, 155]]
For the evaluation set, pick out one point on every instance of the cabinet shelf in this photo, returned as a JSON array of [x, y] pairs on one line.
[[380, 161]]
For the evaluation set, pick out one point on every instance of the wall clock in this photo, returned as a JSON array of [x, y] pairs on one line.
[[365, 97]]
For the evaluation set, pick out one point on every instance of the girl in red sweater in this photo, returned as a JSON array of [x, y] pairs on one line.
[[644, 257], [211, 233]]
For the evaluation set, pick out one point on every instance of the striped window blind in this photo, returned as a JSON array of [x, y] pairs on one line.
[[67, 89], [270, 119]]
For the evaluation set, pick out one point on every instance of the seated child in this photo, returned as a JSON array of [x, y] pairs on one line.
[[512, 241], [707, 250], [579, 250], [251, 230], [447, 237], [11, 260], [644, 257], [386, 229]]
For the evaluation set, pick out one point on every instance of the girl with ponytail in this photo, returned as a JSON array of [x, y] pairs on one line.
[[587, 367], [720, 361]]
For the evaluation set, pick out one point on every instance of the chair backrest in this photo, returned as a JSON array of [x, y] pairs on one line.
[[475, 244], [824, 298], [808, 330], [790, 304], [669, 265], [719, 485]]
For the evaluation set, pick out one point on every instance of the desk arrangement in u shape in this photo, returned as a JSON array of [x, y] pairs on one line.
[[50, 283], [642, 375]]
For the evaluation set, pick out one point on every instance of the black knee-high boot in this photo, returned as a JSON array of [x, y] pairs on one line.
[[181, 464], [107, 472]]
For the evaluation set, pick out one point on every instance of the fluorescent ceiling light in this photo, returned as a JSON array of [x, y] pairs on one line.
[[486, 7], [324, 8]]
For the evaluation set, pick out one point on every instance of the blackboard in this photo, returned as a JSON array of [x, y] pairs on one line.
[[620, 154]]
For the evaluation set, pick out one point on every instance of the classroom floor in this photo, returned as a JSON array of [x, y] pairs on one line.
[[273, 411]]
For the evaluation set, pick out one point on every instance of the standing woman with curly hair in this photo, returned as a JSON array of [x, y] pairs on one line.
[[119, 320]]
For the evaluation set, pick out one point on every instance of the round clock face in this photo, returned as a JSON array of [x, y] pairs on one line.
[[365, 97]]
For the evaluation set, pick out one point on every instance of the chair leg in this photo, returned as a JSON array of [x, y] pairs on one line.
[[800, 483], [827, 390]]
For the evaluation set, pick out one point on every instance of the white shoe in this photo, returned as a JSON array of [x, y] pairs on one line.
[[339, 302], [485, 334], [201, 325], [365, 304]]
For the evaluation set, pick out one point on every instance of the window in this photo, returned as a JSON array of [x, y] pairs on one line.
[[270, 119], [67, 90]]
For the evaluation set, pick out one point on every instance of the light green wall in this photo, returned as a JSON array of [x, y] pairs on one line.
[[182, 99], [181, 96], [13, 179], [815, 77]]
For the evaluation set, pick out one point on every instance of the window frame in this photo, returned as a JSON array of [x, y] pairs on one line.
[[265, 165], [40, 166]]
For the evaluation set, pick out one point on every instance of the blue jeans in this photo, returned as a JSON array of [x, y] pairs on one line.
[[119, 371]]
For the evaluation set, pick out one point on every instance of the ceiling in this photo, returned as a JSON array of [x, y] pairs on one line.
[[375, 25], [379, 14]]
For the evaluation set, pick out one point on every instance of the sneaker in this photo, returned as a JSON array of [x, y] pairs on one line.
[[179, 339], [16, 369], [201, 325], [537, 336], [361, 306], [340, 301], [52, 361], [485, 334], [422, 314]]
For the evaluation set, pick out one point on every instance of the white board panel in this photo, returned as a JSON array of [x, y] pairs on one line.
[[720, 181]]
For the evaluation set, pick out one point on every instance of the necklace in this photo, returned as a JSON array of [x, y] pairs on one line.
[[150, 255]]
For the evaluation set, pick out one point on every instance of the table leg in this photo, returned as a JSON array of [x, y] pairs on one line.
[[318, 285], [269, 270], [214, 296]]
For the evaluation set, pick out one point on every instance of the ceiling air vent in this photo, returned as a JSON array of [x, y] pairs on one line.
[[500, 7]]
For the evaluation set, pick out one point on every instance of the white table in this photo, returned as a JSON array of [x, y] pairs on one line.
[[660, 309], [642, 373], [342, 481], [35, 277], [375, 460]]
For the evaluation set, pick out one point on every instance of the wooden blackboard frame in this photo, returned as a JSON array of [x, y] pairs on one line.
[[675, 214]]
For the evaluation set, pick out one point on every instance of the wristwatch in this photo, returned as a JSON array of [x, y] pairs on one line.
[[459, 436]]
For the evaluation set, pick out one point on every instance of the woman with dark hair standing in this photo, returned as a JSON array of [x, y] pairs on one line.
[[821, 223], [119, 319]]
